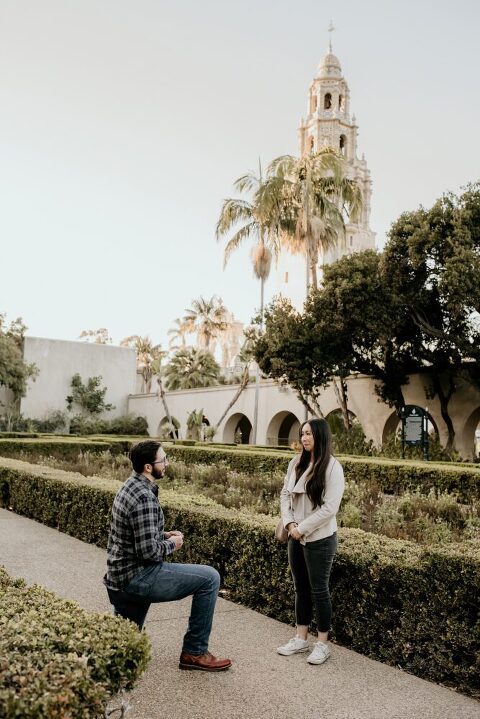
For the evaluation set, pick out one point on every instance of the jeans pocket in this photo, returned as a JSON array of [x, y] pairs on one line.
[[142, 583]]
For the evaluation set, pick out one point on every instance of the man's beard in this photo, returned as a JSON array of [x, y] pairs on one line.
[[158, 473]]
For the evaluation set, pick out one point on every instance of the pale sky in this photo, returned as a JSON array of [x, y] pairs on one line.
[[123, 124]]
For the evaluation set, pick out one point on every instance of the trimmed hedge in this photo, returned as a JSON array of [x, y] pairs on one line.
[[390, 475], [62, 448], [57, 660], [393, 600]]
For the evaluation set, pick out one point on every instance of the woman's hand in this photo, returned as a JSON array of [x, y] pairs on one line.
[[293, 531]]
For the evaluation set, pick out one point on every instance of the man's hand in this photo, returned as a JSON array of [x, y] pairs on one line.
[[176, 536]]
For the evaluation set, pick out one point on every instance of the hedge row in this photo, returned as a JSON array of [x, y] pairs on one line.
[[62, 448], [58, 660], [390, 475], [393, 601]]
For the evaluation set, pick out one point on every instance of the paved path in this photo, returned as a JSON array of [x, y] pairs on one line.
[[260, 685]]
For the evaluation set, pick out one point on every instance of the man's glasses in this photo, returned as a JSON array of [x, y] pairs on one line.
[[161, 461]]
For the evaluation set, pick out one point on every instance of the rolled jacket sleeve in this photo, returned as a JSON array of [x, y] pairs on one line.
[[334, 487]]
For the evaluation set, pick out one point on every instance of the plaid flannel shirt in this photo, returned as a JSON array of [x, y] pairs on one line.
[[136, 536]]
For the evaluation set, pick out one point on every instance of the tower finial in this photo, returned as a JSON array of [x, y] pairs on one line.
[[331, 29]]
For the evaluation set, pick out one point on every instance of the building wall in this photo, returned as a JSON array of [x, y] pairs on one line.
[[280, 408], [58, 361]]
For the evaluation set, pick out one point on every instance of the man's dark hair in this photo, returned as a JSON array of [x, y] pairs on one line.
[[143, 453]]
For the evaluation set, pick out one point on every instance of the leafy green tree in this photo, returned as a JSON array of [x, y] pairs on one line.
[[432, 262], [207, 318], [14, 371], [191, 368], [352, 324], [88, 397]]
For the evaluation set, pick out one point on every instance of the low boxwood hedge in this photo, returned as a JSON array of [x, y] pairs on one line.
[[390, 475], [57, 660], [62, 448], [405, 605]]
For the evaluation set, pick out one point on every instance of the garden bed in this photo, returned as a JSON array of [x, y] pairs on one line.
[[57, 660], [410, 606]]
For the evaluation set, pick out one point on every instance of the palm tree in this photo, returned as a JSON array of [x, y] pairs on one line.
[[191, 368], [177, 333], [316, 196], [147, 354], [208, 318], [258, 218]]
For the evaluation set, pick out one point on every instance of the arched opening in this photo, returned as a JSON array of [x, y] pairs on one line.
[[335, 420], [471, 433], [327, 101], [340, 103], [238, 429], [343, 145], [165, 430], [351, 441], [283, 429]]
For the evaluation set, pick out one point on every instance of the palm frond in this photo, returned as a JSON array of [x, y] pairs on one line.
[[233, 211]]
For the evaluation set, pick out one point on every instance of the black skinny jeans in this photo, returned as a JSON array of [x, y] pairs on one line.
[[310, 565]]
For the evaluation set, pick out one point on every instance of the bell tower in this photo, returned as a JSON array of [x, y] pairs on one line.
[[328, 123]]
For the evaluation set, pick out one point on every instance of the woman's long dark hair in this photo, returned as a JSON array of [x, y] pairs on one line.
[[322, 451]]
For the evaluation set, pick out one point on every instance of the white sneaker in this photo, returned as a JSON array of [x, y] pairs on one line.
[[294, 646], [320, 654]]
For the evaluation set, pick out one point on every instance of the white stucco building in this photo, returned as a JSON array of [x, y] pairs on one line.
[[57, 362]]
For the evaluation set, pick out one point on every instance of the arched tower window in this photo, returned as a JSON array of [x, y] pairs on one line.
[[311, 145], [340, 103], [313, 103], [343, 145], [327, 101]]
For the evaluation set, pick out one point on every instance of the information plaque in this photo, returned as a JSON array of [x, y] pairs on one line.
[[414, 428]]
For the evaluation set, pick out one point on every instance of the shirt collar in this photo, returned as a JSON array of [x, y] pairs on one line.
[[141, 477]]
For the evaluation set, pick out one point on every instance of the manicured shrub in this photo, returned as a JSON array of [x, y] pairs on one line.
[[127, 425], [394, 601], [61, 447], [57, 660], [387, 474]]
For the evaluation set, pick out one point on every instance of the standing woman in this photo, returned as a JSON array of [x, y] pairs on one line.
[[309, 501]]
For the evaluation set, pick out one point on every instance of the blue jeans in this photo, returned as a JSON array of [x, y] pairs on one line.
[[169, 581], [310, 565]]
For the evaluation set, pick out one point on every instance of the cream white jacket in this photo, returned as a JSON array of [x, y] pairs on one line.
[[296, 507]]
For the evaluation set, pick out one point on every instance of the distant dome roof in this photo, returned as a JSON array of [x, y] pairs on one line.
[[329, 66]]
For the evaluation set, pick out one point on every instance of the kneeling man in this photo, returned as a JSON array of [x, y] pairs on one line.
[[136, 572]]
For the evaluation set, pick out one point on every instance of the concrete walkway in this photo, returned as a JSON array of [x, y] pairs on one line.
[[260, 685]]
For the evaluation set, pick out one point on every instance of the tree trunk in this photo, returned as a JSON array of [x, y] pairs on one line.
[[257, 374], [161, 392], [243, 384], [311, 404], [444, 399], [341, 395]]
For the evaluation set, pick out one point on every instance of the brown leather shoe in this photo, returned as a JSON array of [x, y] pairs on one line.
[[205, 662]]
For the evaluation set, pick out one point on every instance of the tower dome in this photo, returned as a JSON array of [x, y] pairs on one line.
[[329, 66]]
